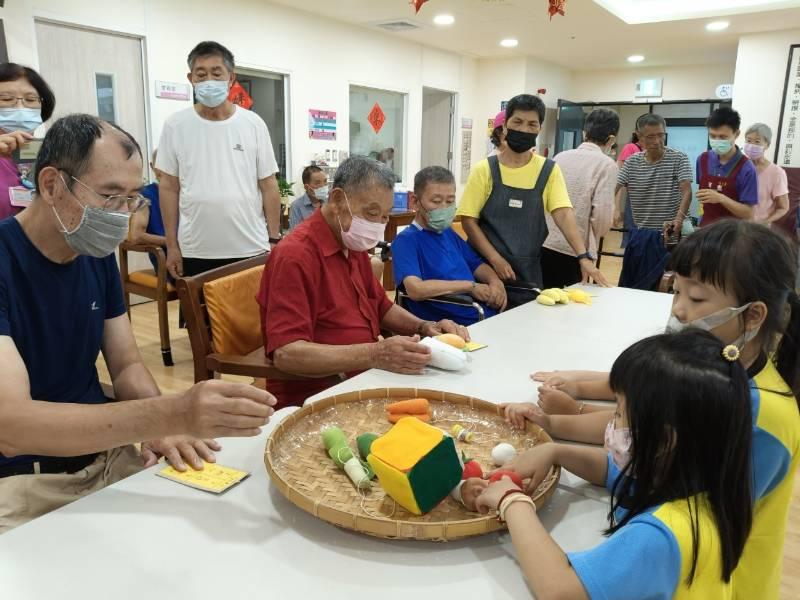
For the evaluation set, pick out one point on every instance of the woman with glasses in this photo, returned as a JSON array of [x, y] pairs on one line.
[[26, 101]]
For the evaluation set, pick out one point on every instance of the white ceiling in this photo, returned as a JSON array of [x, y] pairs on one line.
[[588, 37]]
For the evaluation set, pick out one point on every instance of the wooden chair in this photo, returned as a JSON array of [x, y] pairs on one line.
[[150, 284], [224, 321]]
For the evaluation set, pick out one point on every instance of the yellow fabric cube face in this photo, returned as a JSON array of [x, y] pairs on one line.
[[395, 483], [406, 443]]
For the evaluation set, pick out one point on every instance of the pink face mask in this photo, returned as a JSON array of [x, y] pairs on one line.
[[363, 234], [618, 444], [753, 151]]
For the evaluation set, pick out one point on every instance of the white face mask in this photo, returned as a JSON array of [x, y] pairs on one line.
[[321, 193], [363, 235], [712, 321], [211, 93]]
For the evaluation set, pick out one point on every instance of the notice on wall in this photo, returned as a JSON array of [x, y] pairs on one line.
[[466, 123], [321, 124], [788, 147], [173, 91], [466, 153]]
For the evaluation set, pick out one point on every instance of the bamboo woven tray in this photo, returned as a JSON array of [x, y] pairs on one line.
[[298, 465]]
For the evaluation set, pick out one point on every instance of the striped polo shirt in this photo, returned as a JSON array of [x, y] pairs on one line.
[[654, 189]]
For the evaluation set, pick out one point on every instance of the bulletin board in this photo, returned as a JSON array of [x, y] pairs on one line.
[[787, 149]]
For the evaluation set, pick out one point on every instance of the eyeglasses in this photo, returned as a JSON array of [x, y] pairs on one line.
[[28, 100], [118, 202]]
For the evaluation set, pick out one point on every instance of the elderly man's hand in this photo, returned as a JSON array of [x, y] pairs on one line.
[[179, 450], [401, 354], [445, 326]]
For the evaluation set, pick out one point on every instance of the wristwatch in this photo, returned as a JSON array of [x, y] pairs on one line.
[[273, 240], [587, 255]]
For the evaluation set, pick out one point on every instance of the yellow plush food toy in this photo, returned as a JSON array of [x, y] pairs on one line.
[[546, 300], [456, 341], [580, 296], [560, 296]]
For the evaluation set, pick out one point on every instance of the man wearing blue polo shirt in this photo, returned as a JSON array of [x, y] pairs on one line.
[[430, 259], [727, 180]]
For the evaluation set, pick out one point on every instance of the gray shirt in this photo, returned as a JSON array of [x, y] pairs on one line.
[[300, 210]]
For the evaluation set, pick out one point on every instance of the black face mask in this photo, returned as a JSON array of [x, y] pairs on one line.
[[520, 141]]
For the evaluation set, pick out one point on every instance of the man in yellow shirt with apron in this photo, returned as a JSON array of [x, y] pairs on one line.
[[503, 206]]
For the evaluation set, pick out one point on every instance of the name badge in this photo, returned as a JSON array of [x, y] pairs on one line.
[[515, 203]]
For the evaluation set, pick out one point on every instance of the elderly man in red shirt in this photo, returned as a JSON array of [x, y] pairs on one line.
[[322, 308]]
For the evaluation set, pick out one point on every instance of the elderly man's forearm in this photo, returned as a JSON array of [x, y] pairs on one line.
[[308, 359]]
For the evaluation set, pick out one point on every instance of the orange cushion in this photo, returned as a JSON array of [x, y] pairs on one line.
[[234, 313], [148, 278], [459, 229]]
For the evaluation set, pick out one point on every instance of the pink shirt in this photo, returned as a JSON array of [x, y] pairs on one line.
[[591, 179], [629, 150], [9, 177], [772, 184]]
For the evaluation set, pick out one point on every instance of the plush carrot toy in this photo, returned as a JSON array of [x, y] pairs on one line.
[[415, 406]]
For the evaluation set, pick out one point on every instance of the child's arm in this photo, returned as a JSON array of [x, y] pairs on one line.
[[544, 376], [543, 562], [588, 428], [590, 464], [596, 389]]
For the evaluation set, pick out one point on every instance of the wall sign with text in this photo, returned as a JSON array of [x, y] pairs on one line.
[[787, 150]]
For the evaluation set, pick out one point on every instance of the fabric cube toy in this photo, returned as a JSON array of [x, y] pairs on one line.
[[416, 464]]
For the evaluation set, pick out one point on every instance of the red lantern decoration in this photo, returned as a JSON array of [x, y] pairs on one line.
[[557, 7], [417, 4], [238, 95]]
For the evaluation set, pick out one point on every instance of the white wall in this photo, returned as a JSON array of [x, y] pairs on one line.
[[688, 82], [321, 57], [497, 80], [760, 76]]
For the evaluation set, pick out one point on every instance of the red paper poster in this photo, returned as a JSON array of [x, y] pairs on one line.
[[417, 4], [377, 118], [556, 8], [238, 95]]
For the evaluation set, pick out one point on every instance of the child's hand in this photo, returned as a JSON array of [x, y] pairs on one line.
[[533, 464], [517, 413], [491, 496], [472, 488], [554, 401]]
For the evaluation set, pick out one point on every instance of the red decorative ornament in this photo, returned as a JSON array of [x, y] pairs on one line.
[[557, 7], [417, 4], [376, 118], [239, 96]]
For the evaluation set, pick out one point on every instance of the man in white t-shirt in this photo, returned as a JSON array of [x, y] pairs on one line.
[[218, 170]]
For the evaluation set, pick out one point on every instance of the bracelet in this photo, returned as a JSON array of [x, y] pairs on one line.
[[501, 516], [581, 407], [504, 497]]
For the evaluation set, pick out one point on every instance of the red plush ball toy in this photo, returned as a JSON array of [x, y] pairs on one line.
[[514, 477], [472, 469]]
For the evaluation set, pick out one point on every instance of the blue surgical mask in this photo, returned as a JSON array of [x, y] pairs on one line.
[[211, 93], [20, 119], [721, 147]]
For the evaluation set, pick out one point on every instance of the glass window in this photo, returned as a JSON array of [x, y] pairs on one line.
[[104, 87], [377, 126]]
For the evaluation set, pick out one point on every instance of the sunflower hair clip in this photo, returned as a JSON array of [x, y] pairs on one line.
[[730, 353]]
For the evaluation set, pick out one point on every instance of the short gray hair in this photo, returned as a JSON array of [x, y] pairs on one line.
[[209, 48], [760, 129], [650, 119], [360, 172]]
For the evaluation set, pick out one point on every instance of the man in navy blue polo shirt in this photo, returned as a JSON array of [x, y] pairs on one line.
[[430, 259], [60, 305]]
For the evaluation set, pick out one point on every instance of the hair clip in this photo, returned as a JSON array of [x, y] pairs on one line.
[[730, 353]]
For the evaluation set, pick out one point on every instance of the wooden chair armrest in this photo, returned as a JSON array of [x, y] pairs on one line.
[[249, 366]]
